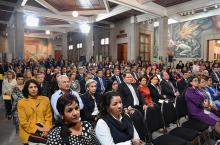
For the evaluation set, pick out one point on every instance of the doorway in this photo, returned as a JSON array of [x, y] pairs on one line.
[[213, 51], [57, 54], [122, 53]]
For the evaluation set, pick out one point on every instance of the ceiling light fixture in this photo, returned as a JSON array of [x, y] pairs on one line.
[[205, 9], [216, 6], [85, 28], [75, 13], [32, 21], [47, 32]]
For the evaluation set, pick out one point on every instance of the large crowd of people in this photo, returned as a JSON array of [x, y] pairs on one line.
[[55, 102]]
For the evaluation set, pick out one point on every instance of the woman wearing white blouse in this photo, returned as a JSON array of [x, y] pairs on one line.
[[115, 127]]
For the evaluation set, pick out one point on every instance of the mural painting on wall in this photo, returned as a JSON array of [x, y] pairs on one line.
[[184, 39], [35, 49]]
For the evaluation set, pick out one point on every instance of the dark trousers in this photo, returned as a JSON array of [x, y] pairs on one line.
[[8, 106], [139, 124]]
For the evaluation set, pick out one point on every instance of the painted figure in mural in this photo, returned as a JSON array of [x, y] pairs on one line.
[[216, 22]]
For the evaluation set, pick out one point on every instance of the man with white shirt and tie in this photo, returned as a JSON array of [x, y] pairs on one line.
[[117, 77], [101, 82], [64, 87]]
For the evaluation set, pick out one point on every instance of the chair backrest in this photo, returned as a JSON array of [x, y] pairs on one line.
[[154, 119], [168, 113], [181, 108]]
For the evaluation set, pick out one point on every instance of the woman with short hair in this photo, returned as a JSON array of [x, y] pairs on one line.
[[71, 130], [91, 101], [34, 114], [8, 84]]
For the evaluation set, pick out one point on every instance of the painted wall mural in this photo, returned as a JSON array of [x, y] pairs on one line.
[[184, 39]]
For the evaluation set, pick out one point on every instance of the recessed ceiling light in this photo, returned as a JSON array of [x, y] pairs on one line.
[[47, 32], [75, 14]]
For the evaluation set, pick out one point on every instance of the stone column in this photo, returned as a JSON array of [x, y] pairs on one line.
[[133, 38], [89, 44], [19, 35], [163, 38], [64, 46]]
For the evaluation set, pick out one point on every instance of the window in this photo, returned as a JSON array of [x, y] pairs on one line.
[[79, 45], [145, 46], [105, 41], [70, 47], [104, 47]]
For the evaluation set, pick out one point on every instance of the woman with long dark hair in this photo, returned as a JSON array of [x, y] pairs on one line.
[[71, 130]]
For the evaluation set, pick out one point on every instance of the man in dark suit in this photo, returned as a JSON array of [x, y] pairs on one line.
[[81, 74], [83, 82], [180, 65], [131, 97], [214, 74], [167, 88], [45, 87], [101, 82], [117, 77], [183, 83], [134, 73]]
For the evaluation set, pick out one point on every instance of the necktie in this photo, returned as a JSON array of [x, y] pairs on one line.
[[118, 79], [174, 90], [102, 85]]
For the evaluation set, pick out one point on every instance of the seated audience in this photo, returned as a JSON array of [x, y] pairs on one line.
[[155, 91], [34, 114], [214, 92], [8, 84], [91, 101], [64, 87], [183, 83], [74, 84], [71, 130], [17, 95], [198, 105], [145, 91], [114, 126], [112, 86], [168, 89]]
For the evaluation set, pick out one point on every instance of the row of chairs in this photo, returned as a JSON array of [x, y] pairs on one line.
[[183, 134]]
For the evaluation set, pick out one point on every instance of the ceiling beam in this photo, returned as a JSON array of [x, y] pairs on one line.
[[47, 5], [107, 7], [60, 26], [9, 4], [115, 11], [149, 8], [3, 22], [44, 13], [46, 28], [85, 12], [24, 2], [195, 16], [39, 35], [144, 1], [190, 5]]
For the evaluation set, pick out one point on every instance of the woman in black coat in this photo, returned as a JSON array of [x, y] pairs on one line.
[[91, 101]]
